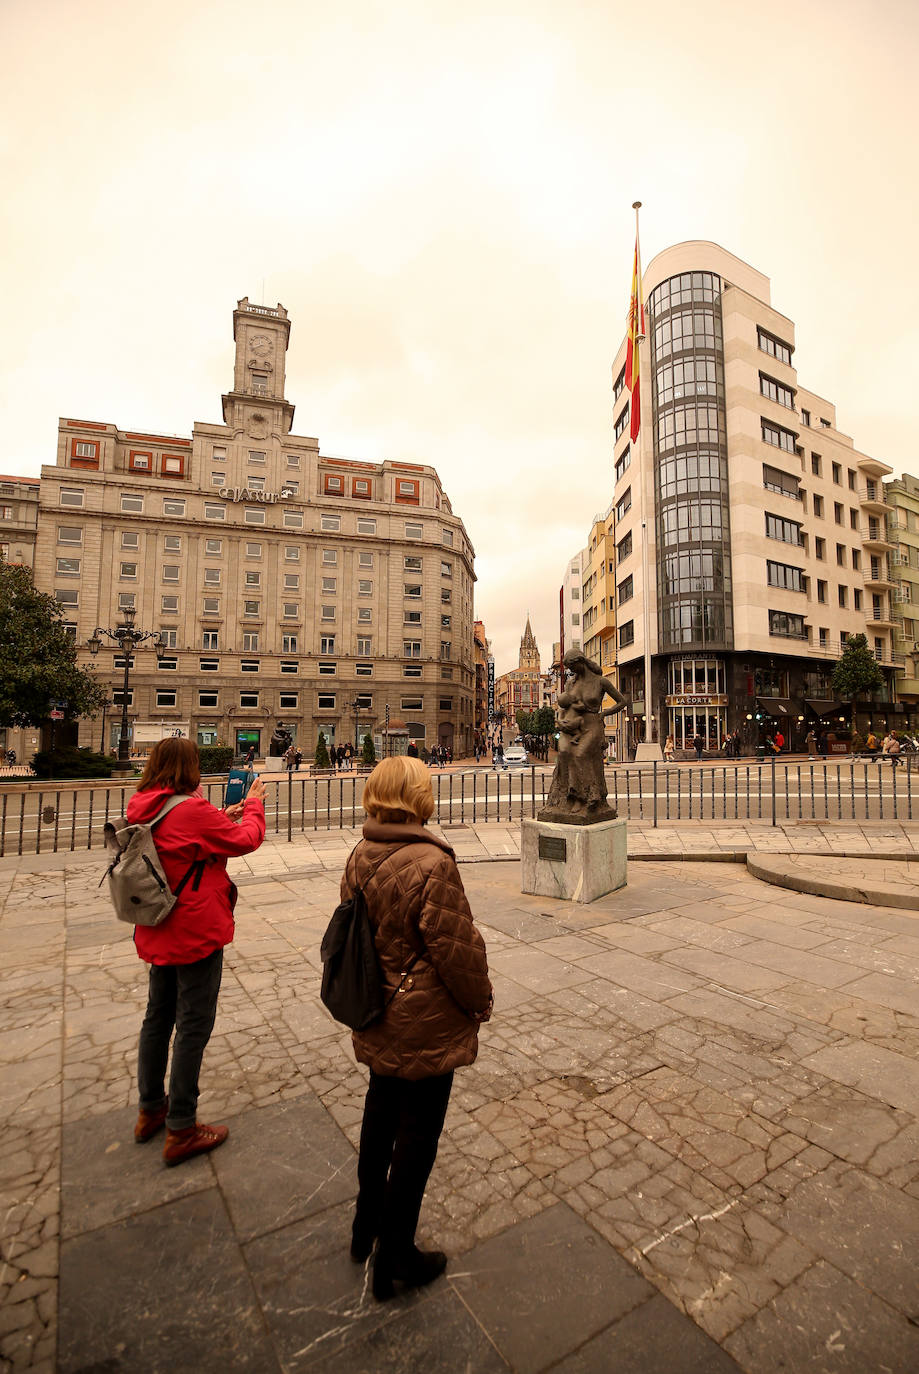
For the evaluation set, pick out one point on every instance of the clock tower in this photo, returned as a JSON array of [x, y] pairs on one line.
[[256, 406]]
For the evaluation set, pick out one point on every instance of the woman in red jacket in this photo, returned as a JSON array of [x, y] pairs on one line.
[[185, 952], [435, 972]]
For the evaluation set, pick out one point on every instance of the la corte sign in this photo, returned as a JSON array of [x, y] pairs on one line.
[[697, 699], [247, 494]]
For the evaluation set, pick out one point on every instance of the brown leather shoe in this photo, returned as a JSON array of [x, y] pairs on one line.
[[148, 1123], [193, 1140]]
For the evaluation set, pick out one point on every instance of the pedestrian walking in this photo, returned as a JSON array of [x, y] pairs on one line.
[[250, 756], [433, 959], [669, 749], [412, 750], [698, 743], [892, 748], [185, 952], [779, 741], [298, 759], [810, 739], [290, 755]]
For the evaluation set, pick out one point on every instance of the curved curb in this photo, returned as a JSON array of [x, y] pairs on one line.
[[770, 870]]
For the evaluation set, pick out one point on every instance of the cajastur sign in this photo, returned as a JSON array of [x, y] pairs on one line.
[[247, 494]]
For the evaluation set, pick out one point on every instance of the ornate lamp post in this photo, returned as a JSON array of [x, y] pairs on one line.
[[128, 639]]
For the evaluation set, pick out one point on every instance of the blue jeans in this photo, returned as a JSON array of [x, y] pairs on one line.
[[180, 997]]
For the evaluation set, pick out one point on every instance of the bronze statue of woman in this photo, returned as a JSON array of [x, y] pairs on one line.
[[577, 795]]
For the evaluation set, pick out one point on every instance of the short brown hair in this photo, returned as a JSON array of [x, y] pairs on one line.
[[399, 789], [173, 763]]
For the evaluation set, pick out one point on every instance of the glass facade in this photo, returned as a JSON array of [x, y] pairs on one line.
[[690, 464]]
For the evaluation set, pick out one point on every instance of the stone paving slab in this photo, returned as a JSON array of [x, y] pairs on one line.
[[716, 1082], [872, 879]]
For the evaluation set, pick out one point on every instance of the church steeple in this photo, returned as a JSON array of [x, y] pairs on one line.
[[529, 651]]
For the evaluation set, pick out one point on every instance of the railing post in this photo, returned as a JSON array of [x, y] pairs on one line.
[[290, 801], [772, 763], [654, 784]]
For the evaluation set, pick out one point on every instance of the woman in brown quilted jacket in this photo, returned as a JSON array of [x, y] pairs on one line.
[[435, 976]]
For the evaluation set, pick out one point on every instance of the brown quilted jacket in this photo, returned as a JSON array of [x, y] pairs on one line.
[[418, 909]]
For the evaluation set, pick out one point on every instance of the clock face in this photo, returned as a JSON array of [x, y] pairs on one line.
[[260, 344]]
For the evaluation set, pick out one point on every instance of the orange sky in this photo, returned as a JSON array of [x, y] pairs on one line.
[[440, 196]]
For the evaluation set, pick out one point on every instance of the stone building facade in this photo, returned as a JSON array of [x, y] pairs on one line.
[[327, 594], [18, 529], [522, 689]]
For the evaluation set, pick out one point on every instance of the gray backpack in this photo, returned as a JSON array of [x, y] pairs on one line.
[[136, 881]]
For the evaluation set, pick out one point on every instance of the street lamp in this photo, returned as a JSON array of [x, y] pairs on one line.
[[128, 639]]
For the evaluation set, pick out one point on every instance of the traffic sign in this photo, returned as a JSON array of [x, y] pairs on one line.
[[57, 715]]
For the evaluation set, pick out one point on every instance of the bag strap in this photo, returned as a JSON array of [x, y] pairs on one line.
[[168, 805], [197, 868]]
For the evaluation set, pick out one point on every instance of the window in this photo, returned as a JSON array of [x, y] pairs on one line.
[[776, 391], [208, 699], [291, 486], [446, 596], [212, 512], [364, 643], [363, 670], [172, 464], [818, 506], [253, 579], [627, 634], [820, 548], [623, 549], [165, 697], [838, 512], [293, 460], [412, 589], [170, 604], [411, 648], [777, 436], [327, 669], [248, 665], [330, 584], [785, 575], [330, 522], [364, 587], [330, 557], [293, 667], [445, 703], [212, 577], [292, 582], [853, 519], [254, 515], [256, 456], [857, 599], [360, 487], [211, 605], [128, 570], [623, 463], [132, 504], [252, 608], [119, 662], [82, 449], [446, 648], [328, 613], [167, 665], [71, 496], [805, 416], [837, 474], [172, 543], [293, 519], [445, 622], [68, 567], [291, 610], [446, 569], [786, 625], [621, 423], [413, 564], [624, 504], [127, 601], [412, 704], [252, 550], [447, 537], [774, 479], [69, 534], [292, 553], [210, 639], [250, 641], [289, 644], [248, 700], [119, 696], [625, 590], [259, 383], [821, 591], [851, 476], [774, 347], [841, 555], [842, 595], [289, 701], [170, 572], [327, 644], [209, 665], [364, 615], [815, 464], [411, 618], [67, 596], [413, 531], [856, 560], [218, 479], [326, 701], [618, 385], [140, 462], [366, 527], [333, 485], [255, 483], [364, 560], [789, 531], [174, 508]]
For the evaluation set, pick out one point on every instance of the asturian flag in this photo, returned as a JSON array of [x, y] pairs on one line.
[[636, 331]]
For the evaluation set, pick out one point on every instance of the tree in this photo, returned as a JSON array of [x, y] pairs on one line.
[[544, 721], [322, 753], [38, 659], [525, 723], [368, 753], [856, 672]]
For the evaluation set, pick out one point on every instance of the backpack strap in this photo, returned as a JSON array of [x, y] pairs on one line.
[[196, 868], [168, 805]]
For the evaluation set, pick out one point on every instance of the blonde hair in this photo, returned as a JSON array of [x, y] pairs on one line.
[[399, 789]]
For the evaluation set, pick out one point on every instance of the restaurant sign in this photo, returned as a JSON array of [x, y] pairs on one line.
[[698, 699]]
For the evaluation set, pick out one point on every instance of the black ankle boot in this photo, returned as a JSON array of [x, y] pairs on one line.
[[418, 1269], [362, 1243]]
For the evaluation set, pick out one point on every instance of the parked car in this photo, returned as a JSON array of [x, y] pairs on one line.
[[515, 756]]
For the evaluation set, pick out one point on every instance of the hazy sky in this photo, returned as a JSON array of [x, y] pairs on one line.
[[440, 196]]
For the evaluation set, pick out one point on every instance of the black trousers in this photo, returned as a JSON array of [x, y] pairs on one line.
[[399, 1136], [180, 997]]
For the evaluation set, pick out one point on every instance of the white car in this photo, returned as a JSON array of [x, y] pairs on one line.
[[515, 756]]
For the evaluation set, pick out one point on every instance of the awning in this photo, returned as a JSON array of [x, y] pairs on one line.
[[780, 707], [821, 707]]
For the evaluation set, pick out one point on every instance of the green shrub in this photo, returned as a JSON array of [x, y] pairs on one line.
[[71, 763], [215, 758], [368, 753], [322, 753]]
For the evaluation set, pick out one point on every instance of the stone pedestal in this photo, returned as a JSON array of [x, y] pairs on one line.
[[577, 862], [274, 765]]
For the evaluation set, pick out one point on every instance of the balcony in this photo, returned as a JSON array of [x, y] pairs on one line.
[[873, 497], [879, 577], [882, 617], [871, 467], [876, 535]]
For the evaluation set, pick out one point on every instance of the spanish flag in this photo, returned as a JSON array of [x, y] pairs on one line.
[[636, 332]]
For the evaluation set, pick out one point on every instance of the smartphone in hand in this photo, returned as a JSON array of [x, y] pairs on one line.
[[238, 784]]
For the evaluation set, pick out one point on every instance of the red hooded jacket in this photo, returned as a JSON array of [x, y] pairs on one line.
[[201, 920]]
